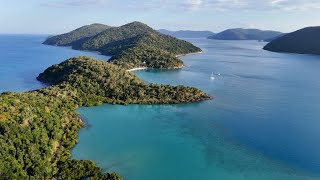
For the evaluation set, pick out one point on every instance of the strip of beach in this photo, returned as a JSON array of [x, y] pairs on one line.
[[180, 67]]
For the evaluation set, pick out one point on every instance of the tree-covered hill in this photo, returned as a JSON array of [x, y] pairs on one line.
[[245, 34], [146, 56], [117, 41], [153, 40], [115, 34], [96, 82], [149, 49], [76, 36], [39, 128], [303, 41]]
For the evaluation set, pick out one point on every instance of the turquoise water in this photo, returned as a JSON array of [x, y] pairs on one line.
[[262, 124]]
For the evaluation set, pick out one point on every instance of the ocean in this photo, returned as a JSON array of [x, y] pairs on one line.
[[263, 122]]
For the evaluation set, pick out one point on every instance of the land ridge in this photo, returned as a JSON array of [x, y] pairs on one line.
[[133, 45], [39, 128], [245, 34], [303, 41]]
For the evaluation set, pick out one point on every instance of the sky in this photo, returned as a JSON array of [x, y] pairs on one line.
[[59, 16]]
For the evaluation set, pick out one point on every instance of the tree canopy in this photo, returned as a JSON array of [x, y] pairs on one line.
[[38, 128], [76, 36], [133, 40]]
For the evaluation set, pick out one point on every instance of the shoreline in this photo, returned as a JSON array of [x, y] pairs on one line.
[[179, 55], [180, 67], [145, 68], [137, 69]]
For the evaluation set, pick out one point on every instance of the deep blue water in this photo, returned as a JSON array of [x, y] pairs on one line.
[[262, 124], [23, 57]]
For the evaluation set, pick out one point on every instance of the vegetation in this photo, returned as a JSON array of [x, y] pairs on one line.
[[115, 34], [245, 34], [153, 40], [39, 128], [144, 55], [93, 82], [76, 36], [303, 41], [37, 132], [123, 42]]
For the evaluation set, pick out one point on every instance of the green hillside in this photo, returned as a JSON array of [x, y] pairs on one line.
[[124, 41], [39, 128], [76, 36]]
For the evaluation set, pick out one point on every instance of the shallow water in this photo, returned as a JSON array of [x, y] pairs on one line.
[[262, 124]]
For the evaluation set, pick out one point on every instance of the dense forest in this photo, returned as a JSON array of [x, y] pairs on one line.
[[76, 36], [37, 132], [135, 37], [95, 81], [144, 55], [39, 128]]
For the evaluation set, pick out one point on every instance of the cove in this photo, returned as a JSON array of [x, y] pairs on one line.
[[262, 123]]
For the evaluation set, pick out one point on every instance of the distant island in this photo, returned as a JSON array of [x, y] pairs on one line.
[[245, 34], [303, 41], [77, 36], [132, 45], [187, 33], [39, 128]]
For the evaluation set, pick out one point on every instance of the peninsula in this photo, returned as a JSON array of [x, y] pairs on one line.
[[303, 41], [132, 45], [39, 128]]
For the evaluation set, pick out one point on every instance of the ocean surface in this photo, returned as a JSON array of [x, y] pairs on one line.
[[263, 123]]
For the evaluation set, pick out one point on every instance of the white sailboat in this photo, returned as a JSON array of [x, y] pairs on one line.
[[212, 77]]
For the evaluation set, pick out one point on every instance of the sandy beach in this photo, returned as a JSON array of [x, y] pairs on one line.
[[180, 67], [137, 69]]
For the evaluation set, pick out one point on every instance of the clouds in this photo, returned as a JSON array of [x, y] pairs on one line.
[[295, 5], [192, 5], [267, 5], [220, 5], [72, 3]]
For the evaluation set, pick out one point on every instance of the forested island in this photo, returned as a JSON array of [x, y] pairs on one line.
[[39, 128], [245, 34], [77, 36], [303, 41], [131, 45]]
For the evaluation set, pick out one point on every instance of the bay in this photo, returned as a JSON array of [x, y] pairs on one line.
[[262, 124]]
